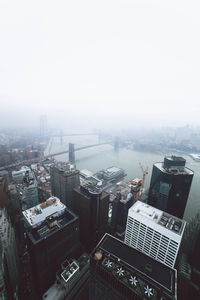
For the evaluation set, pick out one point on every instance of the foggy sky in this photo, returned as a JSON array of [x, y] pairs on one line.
[[100, 63]]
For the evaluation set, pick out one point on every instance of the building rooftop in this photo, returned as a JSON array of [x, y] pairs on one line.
[[157, 216], [133, 268], [51, 224], [113, 170], [36, 215], [68, 276], [22, 171], [86, 173], [70, 270], [90, 189], [175, 170], [87, 176], [175, 158], [66, 168]]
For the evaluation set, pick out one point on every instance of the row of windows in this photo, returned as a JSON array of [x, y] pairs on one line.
[[150, 242]]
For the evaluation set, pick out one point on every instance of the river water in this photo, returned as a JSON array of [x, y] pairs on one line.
[[102, 157]]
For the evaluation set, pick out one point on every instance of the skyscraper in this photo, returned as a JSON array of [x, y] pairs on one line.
[[9, 248], [121, 272], [154, 232], [52, 236], [2, 275], [170, 185], [91, 205], [64, 177], [3, 195], [30, 190]]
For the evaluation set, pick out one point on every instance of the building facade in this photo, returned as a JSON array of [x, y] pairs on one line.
[[64, 177], [91, 205], [170, 185], [30, 190], [10, 254], [52, 237], [154, 232]]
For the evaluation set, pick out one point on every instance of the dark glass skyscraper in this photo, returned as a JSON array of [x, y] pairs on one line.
[[91, 205], [170, 185], [64, 177]]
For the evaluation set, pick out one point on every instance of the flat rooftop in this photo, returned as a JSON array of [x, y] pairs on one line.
[[36, 215], [86, 173], [175, 158], [184, 171], [112, 170], [139, 264], [156, 215], [51, 224], [66, 168]]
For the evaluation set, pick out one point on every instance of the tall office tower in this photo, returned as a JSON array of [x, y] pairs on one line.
[[30, 190], [14, 203], [188, 280], [2, 275], [170, 185], [52, 237], [64, 177], [15, 214], [121, 272], [154, 232], [120, 213], [192, 230], [4, 181], [3, 195], [11, 263], [43, 125], [189, 263], [91, 205], [72, 281]]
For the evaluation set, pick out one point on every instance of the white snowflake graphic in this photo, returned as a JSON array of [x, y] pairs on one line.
[[133, 280], [120, 271], [148, 291], [108, 263]]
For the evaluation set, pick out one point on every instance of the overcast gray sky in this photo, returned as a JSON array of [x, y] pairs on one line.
[[100, 62]]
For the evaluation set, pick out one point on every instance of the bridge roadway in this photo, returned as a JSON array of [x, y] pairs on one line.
[[37, 159], [70, 134]]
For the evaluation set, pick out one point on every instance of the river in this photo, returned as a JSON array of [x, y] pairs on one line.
[[102, 157]]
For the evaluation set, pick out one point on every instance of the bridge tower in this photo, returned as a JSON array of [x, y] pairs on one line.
[[61, 136], [116, 143], [71, 153]]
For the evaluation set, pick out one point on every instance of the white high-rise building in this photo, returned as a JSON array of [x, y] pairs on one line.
[[154, 232]]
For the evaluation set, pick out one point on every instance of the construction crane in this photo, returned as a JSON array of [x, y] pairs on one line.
[[144, 173]]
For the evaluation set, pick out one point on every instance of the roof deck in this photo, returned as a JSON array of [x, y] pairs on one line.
[[126, 263], [155, 215], [36, 215]]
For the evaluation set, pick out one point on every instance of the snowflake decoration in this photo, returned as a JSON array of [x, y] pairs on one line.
[[120, 271], [148, 291], [133, 280], [108, 263]]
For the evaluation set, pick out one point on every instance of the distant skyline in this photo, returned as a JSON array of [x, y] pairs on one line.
[[89, 64]]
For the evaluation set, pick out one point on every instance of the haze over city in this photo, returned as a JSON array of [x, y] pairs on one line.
[[99, 150], [88, 64]]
